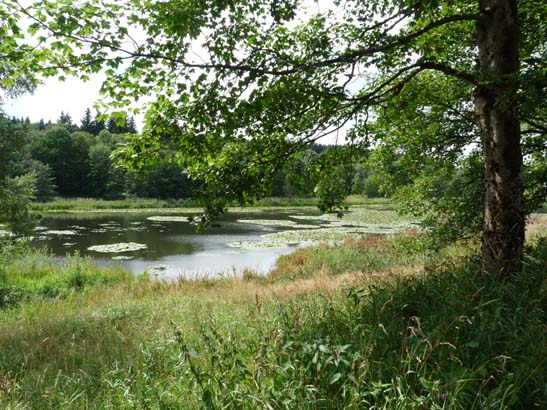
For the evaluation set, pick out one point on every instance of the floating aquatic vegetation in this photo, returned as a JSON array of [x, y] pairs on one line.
[[268, 222], [77, 227], [168, 218], [276, 222], [327, 234], [118, 247], [307, 217], [313, 236], [37, 238], [267, 244], [359, 216], [122, 258], [137, 228], [61, 233]]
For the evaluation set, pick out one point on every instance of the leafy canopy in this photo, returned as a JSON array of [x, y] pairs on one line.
[[237, 88]]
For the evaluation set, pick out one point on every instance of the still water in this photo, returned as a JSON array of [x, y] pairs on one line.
[[170, 247]]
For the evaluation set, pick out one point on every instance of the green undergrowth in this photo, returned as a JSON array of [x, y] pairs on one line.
[[88, 204], [446, 337], [26, 274], [363, 255]]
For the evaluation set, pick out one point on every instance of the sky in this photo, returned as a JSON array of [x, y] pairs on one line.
[[52, 97]]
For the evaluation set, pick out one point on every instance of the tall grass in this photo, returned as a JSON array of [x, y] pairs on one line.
[[445, 337], [362, 255], [28, 273], [89, 204], [452, 338]]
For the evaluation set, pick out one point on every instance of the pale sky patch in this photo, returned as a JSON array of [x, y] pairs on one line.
[[72, 96]]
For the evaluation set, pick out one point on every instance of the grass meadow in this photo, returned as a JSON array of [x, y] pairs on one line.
[[370, 323]]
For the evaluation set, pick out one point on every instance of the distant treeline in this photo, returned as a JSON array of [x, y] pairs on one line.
[[74, 160]]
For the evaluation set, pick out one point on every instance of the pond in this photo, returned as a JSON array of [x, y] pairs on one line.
[[168, 246]]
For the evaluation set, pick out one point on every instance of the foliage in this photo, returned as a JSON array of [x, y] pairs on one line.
[[44, 185], [66, 156], [16, 195], [85, 165], [105, 180], [16, 191], [367, 180], [257, 93]]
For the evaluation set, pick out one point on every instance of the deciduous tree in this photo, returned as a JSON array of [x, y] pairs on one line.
[[241, 86]]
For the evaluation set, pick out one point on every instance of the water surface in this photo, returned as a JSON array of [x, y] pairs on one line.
[[173, 247]]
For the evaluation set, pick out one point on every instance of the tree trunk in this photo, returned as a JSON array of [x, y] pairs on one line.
[[498, 43]]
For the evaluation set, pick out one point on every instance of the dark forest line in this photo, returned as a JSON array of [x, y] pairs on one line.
[[72, 159]]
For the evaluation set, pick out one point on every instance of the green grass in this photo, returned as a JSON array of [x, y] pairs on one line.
[[88, 204], [408, 332], [26, 274], [369, 254]]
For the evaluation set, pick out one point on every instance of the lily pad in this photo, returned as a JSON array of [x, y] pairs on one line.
[[268, 222], [313, 236], [77, 227], [277, 222], [328, 234], [137, 228], [118, 247], [258, 244], [122, 258], [168, 218], [61, 233]]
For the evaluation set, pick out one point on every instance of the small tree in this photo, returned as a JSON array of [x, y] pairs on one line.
[[16, 192], [86, 123], [44, 182]]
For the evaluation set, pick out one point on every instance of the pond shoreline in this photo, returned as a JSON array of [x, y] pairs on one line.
[[163, 240]]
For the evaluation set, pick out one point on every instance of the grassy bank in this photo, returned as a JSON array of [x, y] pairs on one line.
[[28, 275], [86, 204], [364, 324]]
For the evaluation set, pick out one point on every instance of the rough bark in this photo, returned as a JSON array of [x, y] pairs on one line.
[[498, 43]]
